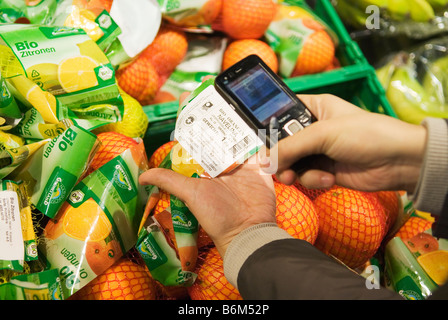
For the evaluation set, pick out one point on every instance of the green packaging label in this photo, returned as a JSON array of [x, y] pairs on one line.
[[54, 169], [121, 178], [56, 191], [43, 285], [405, 273], [160, 258]]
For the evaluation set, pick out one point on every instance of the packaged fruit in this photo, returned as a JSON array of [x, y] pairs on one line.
[[99, 221], [50, 174], [415, 81], [302, 41], [61, 73], [415, 261]]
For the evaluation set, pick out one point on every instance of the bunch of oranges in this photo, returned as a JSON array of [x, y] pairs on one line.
[[346, 224]]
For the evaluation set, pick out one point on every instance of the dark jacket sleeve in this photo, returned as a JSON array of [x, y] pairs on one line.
[[292, 269]]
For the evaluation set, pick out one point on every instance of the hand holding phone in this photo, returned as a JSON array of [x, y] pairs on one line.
[[264, 102]]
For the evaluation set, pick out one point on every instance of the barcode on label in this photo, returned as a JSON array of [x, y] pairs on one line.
[[237, 148]]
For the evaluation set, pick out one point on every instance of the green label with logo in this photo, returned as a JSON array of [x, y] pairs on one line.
[[56, 191], [118, 173], [152, 253], [183, 220]]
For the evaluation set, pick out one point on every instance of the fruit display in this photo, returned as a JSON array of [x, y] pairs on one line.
[[415, 81], [77, 78], [413, 18]]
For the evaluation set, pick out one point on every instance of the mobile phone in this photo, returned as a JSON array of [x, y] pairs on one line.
[[263, 100]]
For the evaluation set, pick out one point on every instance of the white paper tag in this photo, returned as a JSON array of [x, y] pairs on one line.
[[11, 238], [214, 134]]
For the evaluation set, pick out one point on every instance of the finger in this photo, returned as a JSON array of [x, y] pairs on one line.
[[312, 140], [317, 179], [169, 181], [325, 106]]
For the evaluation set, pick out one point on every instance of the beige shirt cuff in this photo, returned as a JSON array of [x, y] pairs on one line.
[[247, 242], [432, 186]]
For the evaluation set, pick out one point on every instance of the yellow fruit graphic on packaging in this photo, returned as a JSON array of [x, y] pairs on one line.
[[45, 75], [86, 222], [90, 48], [84, 19], [77, 73], [435, 264], [9, 65], [43, 101], [183, 163]]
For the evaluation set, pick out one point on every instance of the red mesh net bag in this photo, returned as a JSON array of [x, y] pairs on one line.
[[352, 224], [211, 284], [127, 279]]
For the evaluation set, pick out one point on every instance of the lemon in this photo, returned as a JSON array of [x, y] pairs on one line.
[[134, 122], [91, 49], [77, 73], [43, 101], [84, 19]]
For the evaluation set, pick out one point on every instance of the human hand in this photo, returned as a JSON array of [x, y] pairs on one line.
[[366, 151], [224, 206]]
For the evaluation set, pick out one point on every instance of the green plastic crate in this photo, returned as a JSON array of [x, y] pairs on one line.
[[355, 82]]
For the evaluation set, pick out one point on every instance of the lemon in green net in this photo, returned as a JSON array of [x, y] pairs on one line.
[[134, 122]]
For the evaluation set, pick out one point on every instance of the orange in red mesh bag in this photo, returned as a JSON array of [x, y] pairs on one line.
[[125, 280], [211, 284], [296, 213], [246, 19], [240, 49], [351, 225]]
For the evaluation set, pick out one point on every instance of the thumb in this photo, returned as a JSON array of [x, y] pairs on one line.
[[313, 140], [172, 182]]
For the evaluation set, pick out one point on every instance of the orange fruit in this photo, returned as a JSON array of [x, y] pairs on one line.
[[211, 283], [211, 10], [139, 79], [88, 222], [240, 49], [160, 154], [435, 265], [112, 144], [101, 255], [390, 202], [296, 213], [151, 88], [351, 225], [310, 193], [247, 19], [167, 50], [316, 55], [412, 227], [162, 97], [125, 280], [163, 203]]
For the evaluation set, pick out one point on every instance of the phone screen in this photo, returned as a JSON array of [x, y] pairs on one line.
[[260, 94]]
